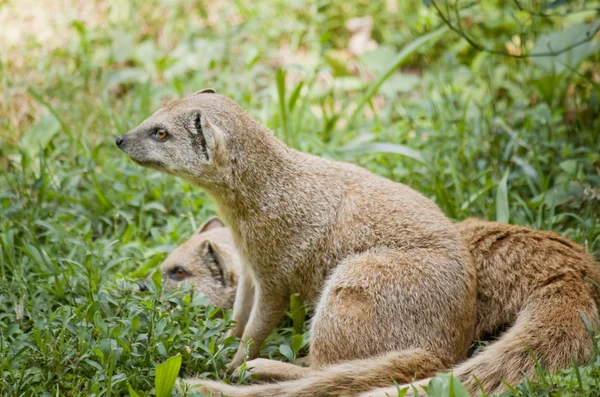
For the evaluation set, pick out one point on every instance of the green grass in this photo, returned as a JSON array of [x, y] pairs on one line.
[[495, 137]]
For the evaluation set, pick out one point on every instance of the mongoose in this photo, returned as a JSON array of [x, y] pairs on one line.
[[511, 263], [398, 284], [386, 269], [209, 261]]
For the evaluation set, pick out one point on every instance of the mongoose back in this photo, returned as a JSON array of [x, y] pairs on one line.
[[517, 268], [385, 268]]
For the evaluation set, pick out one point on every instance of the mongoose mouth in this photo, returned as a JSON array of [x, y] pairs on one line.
[[149, 164]]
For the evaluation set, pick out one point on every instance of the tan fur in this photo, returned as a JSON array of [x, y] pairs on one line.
[[305, 224], [522, 275], [398, 285], [209, 261]]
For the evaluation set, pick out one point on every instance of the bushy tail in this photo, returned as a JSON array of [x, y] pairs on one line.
[[550, 329]]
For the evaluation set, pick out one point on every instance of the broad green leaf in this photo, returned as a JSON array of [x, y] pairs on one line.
[[40, 135], [100, 323], [401, 391], [287, 352], [132, 393], [558, 41], [446, 385], [157, 280], [569, 166], [166, 375]]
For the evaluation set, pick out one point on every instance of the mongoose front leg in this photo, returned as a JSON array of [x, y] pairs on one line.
[[266, 313], [242, 306]]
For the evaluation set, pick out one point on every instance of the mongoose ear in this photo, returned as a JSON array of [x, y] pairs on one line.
[[208, 137], [215, 264], [210, 224], [206, 91]]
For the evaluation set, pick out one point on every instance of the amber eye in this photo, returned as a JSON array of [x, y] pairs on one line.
[[160, 135], [178, 273]]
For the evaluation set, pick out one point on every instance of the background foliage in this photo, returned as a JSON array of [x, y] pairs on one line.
[[512, 138]]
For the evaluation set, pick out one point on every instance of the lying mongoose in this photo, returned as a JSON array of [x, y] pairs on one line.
[[209, 261], [511, 264], [397, 281]]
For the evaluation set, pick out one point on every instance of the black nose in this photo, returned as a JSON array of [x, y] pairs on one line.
[[119, 141], [142, 286]]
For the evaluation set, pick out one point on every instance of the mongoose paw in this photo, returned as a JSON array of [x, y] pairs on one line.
[[259, 368], [263, 369], [204, 386], [232, 366], [303, 361], [383, 392]]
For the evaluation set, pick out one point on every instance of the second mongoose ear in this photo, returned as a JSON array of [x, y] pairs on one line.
[[206, 91], [215, 262], [210, 224]]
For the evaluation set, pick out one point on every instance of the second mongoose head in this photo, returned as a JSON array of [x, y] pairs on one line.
[[209, 261]]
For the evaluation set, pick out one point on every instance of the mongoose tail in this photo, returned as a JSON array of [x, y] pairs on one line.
[[549, 329], [346, 379]]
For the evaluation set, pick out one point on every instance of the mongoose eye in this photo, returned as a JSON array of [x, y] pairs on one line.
[[178, 273], [160, 135]]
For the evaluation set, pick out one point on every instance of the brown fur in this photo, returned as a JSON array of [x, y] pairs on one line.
[[521, 274], [305, 224]]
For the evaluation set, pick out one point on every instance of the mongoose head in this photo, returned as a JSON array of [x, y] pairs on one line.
[[209, 261], [197, 138]]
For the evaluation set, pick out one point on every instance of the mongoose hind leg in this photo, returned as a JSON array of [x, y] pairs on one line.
[[388, 300]]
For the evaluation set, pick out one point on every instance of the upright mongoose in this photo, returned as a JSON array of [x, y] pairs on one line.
[[399, 278]]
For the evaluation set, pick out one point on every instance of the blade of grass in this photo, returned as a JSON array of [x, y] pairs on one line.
[[396, 62], [51, 109]]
